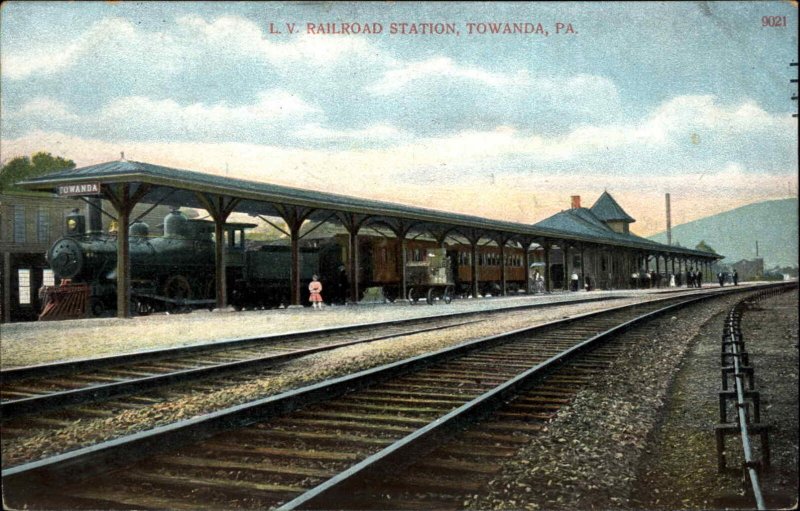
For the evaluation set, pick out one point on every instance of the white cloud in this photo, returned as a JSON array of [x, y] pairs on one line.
[[581, 91], [684, 113], [379, 174], [395, 80], [136, 117], [233, 34], [189, 39], [46, 108], [110, 36], [315, 131], [274, 104]]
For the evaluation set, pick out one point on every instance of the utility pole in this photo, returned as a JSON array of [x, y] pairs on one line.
[[793, 80], [669, 221]]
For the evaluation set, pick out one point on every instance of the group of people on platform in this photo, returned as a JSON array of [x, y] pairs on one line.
[[730, 277], [639, 280], [694, 279], [650, 279], [645, 279]]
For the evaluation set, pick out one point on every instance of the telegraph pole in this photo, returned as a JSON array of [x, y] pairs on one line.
[[793, 80], [669, 221]]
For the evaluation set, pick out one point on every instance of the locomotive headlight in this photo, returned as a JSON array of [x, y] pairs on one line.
[[72, 224]]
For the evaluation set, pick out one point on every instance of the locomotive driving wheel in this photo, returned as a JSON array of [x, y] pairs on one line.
[[430, 297], [448, 294], [177, 288], [413, 295], [144, 307]]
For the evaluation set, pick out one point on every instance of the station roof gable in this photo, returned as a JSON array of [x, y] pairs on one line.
[[585, 223], [608, 210]]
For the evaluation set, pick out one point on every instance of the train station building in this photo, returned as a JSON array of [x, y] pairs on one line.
[[595, 242]]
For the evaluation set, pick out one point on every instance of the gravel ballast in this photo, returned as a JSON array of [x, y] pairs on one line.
[[682, 472], [304, 371], [34, 343], [595, 453]]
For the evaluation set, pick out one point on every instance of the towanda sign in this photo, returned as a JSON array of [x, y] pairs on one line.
[[82, 189]]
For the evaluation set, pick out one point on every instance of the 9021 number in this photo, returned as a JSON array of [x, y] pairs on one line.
[[773, 21]]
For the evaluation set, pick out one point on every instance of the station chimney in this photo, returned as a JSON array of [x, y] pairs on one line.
[[669, 221], [576, 201]]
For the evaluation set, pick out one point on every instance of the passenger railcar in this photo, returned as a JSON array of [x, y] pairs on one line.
[[380, 263]]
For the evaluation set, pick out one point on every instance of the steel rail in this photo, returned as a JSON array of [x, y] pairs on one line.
[[732, 331], [742, 412], [26, 479], [60, 368], [426, 437], [16, 407], [111, 454]]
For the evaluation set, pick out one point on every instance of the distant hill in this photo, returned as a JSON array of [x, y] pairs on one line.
[[734, 233]]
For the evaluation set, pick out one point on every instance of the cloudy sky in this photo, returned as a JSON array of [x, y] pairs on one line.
[[637, 99]]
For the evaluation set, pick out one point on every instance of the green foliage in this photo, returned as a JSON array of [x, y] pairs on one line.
[[21, 168], [705, 247]]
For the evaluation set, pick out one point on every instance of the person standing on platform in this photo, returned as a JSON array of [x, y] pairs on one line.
[[721, 278], [671, 280], [735, 278], [315, 290], [574, 278], [342, 286], [690, 278], [699, 278]]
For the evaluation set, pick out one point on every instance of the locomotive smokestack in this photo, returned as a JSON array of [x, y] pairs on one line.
[[576, 201], [669, 221], [95, 219]]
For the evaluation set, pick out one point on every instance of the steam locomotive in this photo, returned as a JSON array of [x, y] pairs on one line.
[[176, 270]]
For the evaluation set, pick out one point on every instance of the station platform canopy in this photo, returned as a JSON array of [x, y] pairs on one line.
[[156, 184]]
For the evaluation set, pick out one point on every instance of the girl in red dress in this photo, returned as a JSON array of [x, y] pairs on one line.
[[315, 288]]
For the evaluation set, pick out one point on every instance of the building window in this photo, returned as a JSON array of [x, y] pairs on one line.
[[42, 225], [48, 277], [24, 286], [19, 224]]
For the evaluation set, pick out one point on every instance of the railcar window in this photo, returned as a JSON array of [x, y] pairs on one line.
[[19, 224], [48, 278], [24, 286]]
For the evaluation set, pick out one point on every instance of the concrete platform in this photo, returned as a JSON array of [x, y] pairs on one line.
[[35, 343]]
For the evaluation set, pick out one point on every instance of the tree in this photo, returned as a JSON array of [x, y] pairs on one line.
[[21, 168], [705, 247]]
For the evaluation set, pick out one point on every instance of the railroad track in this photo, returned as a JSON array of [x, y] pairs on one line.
[[36, 389], [297, 446], [41, 400]]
